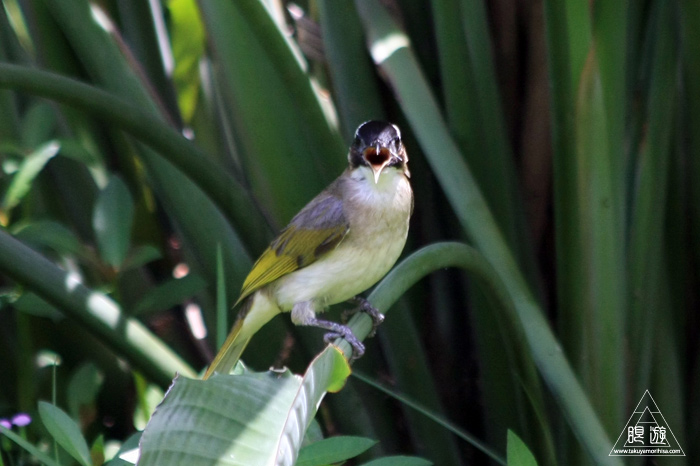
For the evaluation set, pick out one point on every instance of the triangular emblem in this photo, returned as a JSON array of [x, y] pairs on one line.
[[647, 433]]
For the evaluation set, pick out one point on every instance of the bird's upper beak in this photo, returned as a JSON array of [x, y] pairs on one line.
[[377, 157]]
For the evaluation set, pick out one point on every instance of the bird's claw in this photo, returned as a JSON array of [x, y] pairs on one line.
[[364, 306], [358, 349], [340, 331]]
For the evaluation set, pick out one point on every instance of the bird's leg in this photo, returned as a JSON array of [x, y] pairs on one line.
[[304, 314], [364, 306]]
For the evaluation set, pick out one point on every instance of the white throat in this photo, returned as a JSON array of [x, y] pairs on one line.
[[386, 182]]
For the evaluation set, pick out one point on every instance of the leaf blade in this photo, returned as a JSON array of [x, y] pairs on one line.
[[28, 171], [518, 453], [112, 221], [65, 431], [333, 450]]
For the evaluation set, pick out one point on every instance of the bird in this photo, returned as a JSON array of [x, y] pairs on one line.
[[339, 245]]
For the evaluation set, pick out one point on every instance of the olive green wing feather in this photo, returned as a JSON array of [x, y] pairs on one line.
[[316, 230]]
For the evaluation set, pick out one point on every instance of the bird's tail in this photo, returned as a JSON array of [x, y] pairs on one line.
[[230, 352], [253, 315]]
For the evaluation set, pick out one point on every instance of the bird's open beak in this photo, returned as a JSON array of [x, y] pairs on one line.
[[377, 157]]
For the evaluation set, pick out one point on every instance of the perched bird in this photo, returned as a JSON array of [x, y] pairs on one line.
[[343, 242]]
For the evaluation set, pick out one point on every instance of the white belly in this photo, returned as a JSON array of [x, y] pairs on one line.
[[342, 274]]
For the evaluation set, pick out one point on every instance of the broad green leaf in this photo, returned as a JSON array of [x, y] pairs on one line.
[[112, 220], [225, 420], [518, 453], [399, 461], [170, 293], [333, 450], [250, 418], [65, 431], [29, 169]]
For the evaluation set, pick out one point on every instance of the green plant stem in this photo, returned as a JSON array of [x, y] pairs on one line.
[[221, 188], [446, 424], [449, 254], [93, 310], [390, 48]]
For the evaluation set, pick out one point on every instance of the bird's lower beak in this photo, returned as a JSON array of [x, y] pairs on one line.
[[378, 158], [377, 170]]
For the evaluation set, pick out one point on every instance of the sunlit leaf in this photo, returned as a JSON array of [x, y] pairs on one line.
[[148, 396], [29, 169], [244, 419], [188, 41], [130, 444]]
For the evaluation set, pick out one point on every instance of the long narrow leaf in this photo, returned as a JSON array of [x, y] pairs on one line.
[[177, 149], [356, 90], [93, 310], [28, 447], [296, 134]]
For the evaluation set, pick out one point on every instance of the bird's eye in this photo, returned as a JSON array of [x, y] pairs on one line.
[[396, 141]]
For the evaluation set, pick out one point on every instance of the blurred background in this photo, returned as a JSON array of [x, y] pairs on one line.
[[560, 139]]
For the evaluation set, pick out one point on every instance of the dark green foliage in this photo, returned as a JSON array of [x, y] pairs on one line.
[[150, 150]]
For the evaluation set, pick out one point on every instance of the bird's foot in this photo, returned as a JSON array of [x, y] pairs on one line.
[[364, 306], [340, 331]]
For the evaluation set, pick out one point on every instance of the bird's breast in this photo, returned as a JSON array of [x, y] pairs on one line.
[[378, 229]]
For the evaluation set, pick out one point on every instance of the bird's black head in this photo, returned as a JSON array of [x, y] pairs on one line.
[[377, 145]]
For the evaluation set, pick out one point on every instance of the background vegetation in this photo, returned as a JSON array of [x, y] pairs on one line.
[[150, 150]]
